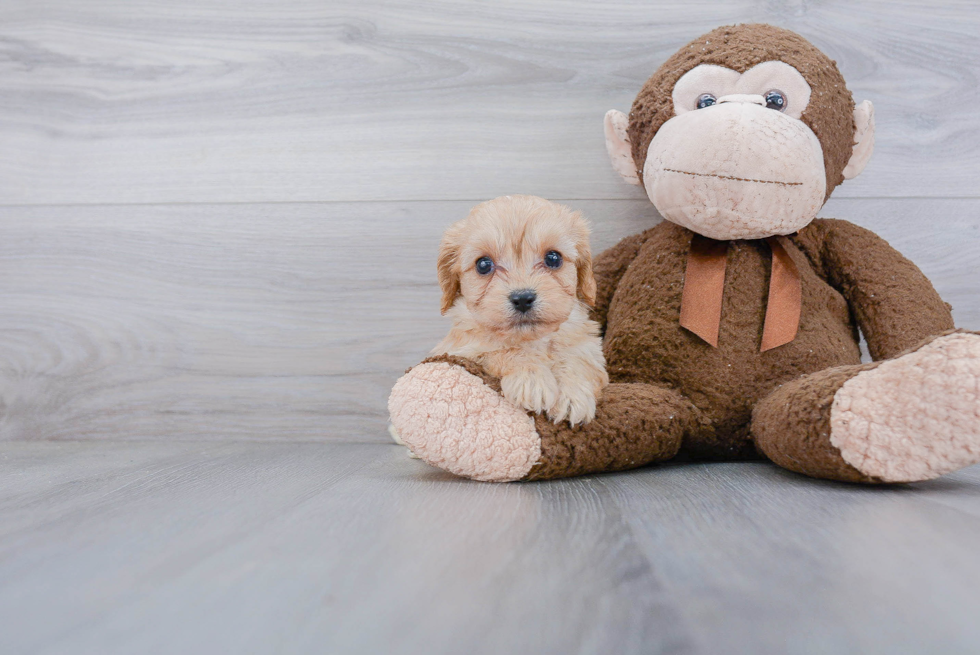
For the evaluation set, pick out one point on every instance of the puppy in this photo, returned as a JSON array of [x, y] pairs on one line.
[[516, 278]]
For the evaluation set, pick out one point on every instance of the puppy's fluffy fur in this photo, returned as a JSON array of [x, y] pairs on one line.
[[549, 358]]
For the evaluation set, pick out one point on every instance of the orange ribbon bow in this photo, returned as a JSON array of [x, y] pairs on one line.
[[704, 286]]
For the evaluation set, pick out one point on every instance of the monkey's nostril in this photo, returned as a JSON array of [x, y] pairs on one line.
[[523, 300]]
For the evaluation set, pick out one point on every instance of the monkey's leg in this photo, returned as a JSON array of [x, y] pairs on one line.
[[450, 413], [914, 417]]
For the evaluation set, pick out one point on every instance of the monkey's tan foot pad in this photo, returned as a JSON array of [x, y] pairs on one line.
[[915, 417], [452, 420]]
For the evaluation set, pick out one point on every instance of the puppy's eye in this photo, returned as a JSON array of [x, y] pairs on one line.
[[776, 100], [484, 266], [552, 259], [705, 100]]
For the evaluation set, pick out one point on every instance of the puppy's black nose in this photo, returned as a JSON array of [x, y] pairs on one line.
[[523, 300]]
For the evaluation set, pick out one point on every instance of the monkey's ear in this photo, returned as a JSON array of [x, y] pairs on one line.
[[447, 268], [864, 139], [618, 146]]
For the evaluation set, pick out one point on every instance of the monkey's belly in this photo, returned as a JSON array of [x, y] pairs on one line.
[[726, 382], [644, 342]]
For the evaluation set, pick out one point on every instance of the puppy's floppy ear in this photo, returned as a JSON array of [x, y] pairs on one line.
[[447, 267], [586, 287]]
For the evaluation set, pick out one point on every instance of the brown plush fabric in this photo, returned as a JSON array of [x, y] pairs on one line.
[[845, 272], [894, 303], [830, 113], [609, 269], [644, 341], [792, 425], [635, 424]]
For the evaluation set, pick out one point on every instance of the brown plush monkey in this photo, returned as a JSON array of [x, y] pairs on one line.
[[731, 328]]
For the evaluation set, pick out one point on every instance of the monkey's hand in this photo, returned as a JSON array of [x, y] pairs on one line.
[[532, 387]]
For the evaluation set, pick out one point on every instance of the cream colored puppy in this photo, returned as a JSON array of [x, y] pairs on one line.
[[516, 278]]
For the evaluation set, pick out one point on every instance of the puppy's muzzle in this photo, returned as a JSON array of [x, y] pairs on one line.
[[523, 300]]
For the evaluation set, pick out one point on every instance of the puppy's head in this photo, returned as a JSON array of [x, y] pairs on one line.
[[520, 262]]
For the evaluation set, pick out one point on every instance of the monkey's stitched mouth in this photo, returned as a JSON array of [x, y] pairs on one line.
[[732, 177]]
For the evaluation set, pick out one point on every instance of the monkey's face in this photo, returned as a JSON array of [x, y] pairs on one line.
[[732, 141], [736, 161]]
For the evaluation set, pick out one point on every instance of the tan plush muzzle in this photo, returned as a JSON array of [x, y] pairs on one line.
[[736, 170]]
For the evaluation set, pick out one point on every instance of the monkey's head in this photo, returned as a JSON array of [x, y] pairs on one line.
[[742, 134]]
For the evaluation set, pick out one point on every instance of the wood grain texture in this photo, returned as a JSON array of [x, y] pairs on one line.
[[343, 548], [269, 101], [218, 229], [766, 561], [287, 321]]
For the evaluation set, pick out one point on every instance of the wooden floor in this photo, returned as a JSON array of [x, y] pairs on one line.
[[184, 547], [218, 227]]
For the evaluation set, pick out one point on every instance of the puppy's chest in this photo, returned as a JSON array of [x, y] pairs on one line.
[[498, 363]]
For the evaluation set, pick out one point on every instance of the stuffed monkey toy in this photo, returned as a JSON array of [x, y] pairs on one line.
[[731, 329]]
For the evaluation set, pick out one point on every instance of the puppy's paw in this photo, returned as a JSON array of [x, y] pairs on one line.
[[577, 403], [534, 389]]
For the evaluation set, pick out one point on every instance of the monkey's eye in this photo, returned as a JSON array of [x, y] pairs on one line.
[[552, 259], [484, 266], [705, 100], [776, 100]]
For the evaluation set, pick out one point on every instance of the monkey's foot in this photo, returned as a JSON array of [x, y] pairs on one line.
[[452, 419], [452, 415], [914, 417]]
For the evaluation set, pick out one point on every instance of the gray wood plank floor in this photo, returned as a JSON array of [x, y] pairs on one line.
[[218, 226], [346, 548]]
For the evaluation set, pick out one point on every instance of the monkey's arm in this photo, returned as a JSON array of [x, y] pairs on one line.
[[608, 268], [894, 303]]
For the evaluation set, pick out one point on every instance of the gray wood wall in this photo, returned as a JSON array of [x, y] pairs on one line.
[[219, 220]]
